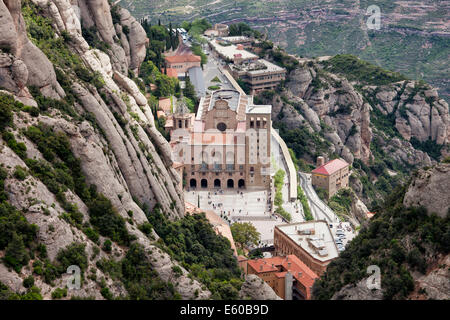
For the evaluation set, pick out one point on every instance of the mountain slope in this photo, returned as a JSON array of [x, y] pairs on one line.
[[409, 244]]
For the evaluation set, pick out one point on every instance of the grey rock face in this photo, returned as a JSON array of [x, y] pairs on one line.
[[358, 292], [341, 108], [124, 166], [38, 70], [437, 283], [430, 189], [255, 288]]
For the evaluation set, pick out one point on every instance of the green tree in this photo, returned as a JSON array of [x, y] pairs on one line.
[[16, 254], [189, 90], [244, 233]]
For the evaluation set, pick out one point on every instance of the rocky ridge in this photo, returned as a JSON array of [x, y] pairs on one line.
[[131, 165]]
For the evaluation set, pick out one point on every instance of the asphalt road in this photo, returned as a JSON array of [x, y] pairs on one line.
[[319, 209]]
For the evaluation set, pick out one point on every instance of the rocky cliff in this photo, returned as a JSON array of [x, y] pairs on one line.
[[429, 188], [85, 97]]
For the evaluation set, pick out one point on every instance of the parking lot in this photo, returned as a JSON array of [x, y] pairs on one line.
[[343, 233]]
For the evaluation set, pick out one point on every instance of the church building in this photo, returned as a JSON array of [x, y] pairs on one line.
[[226, 145]]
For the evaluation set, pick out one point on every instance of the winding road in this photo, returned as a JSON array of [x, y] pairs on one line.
[[319, 209]]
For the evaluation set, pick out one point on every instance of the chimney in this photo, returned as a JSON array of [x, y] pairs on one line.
[[260, 267], [320, 161], [289, 265], [288, 286], [299, 274]]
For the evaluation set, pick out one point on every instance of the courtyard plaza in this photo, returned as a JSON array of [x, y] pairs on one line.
[[239, 205]]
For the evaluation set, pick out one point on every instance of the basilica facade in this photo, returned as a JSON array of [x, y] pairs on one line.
[[226, 144]]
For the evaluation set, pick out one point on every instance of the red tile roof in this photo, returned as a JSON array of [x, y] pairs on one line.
[[331, 167], [183, 58], [281, 266]]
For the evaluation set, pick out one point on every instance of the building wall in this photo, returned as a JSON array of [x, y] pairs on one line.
[[260, 82], [332, 183], [183, 67], [258, 174], [278, 283], [285, 246], [231, 162]]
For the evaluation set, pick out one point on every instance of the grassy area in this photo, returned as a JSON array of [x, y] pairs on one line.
[[341, 203], [278, 181], [306, 209]]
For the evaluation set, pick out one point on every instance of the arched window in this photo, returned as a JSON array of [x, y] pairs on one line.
[[193, 183]]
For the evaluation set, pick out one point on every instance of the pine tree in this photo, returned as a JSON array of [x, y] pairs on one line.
[[16, 254], [189, 90]]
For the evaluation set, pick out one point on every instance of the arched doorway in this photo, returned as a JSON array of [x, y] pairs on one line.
[[241, 183], [204, 183], [193, 183], [217, 183], [230, 183]]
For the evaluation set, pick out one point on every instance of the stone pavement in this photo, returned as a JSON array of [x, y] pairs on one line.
[[246, 206]]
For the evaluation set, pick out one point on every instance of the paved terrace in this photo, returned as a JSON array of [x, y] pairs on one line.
[[245, 206]]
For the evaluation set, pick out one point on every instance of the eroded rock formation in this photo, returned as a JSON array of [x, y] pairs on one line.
[[130, 164]]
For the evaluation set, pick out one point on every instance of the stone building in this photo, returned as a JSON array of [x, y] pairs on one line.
[[231, 53], [245, 42], [227, 146], [259, 75], [289, 277], [181, 60], [219, 30], [331, 176], [312, 242], [182, 63]]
